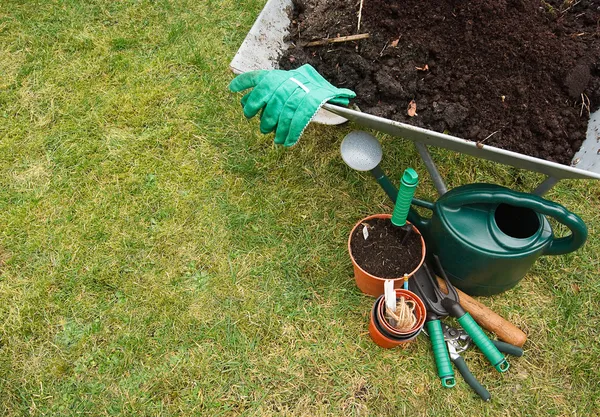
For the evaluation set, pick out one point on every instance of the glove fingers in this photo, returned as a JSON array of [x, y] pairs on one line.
[[274, 107], [289, 111], [301, 120], [342, 101], [268, 120], [244, 99], [246, 80], [263, 92]]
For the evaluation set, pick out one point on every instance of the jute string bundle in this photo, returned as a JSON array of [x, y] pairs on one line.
[[403, 318]]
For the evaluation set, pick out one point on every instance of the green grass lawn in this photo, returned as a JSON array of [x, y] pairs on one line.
[[160, 257]]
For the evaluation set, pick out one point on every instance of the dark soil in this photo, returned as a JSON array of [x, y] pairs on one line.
[[516, 74], [382, 254]]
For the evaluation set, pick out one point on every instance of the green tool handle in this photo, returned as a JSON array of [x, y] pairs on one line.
[[391, 190], [471, 380], [508, 348], [440, 353], [484, 344], [408, 185]]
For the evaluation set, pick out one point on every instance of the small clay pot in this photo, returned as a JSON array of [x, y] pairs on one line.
[[384, 339], [371, 284], [420, 313]]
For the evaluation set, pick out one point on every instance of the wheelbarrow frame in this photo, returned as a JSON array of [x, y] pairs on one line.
[[265, 43]]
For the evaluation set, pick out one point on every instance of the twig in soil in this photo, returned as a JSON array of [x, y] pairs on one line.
[[359, 15], [570, 7], [385, 46], [359, 19], [491, 134], [585, 105], [479, 143], [338, 39]]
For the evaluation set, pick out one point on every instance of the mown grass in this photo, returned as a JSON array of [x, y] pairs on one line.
[[159, 256]]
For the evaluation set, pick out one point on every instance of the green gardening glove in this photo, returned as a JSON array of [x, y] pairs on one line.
[[289, 100]]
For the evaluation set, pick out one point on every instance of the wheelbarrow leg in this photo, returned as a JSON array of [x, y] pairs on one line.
[[438, 182], [545, 186]]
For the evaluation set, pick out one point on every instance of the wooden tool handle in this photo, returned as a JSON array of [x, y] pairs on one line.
[[489, 320]]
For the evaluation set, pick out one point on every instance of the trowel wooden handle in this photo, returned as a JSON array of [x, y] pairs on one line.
[[489, 320]]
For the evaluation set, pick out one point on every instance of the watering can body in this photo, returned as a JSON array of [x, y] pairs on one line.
[[487, 236]]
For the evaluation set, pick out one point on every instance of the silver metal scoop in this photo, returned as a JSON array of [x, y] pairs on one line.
[[361, 151]]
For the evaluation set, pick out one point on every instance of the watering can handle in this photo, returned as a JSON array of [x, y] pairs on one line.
[[558, 246]]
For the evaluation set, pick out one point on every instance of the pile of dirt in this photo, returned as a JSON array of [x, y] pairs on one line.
[[521, 75]]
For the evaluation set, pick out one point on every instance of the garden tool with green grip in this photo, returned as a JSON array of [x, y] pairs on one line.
[[424, 285], [441, 354], [467, 322], [439, 305], [458, 341], [480, 339], [408, 185]]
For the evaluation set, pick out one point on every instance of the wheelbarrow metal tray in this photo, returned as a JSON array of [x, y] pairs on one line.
[[265, 43]]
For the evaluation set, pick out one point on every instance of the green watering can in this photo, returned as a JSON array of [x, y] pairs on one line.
[[487, 236]]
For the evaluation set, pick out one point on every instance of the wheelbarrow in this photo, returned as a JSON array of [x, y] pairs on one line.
[[266, 41]]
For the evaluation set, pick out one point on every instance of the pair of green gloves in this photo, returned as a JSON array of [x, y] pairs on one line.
[[287, 100]]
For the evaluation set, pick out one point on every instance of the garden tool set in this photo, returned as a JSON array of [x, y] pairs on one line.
[[445, 340], [481, 238]]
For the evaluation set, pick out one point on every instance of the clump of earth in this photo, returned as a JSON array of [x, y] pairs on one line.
[[521, 75]]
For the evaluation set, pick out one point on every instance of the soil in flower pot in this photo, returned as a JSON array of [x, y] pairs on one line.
[[382, 254], [521, 75]]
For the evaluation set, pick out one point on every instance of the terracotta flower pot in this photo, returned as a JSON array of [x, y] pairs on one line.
[[371, 284], [383, 338], [420, 313]]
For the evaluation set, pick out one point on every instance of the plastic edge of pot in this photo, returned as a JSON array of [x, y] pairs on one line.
[[384, 340], [421, 319], [371, 284]]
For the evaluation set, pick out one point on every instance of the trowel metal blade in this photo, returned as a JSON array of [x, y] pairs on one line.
[[422, 283]]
